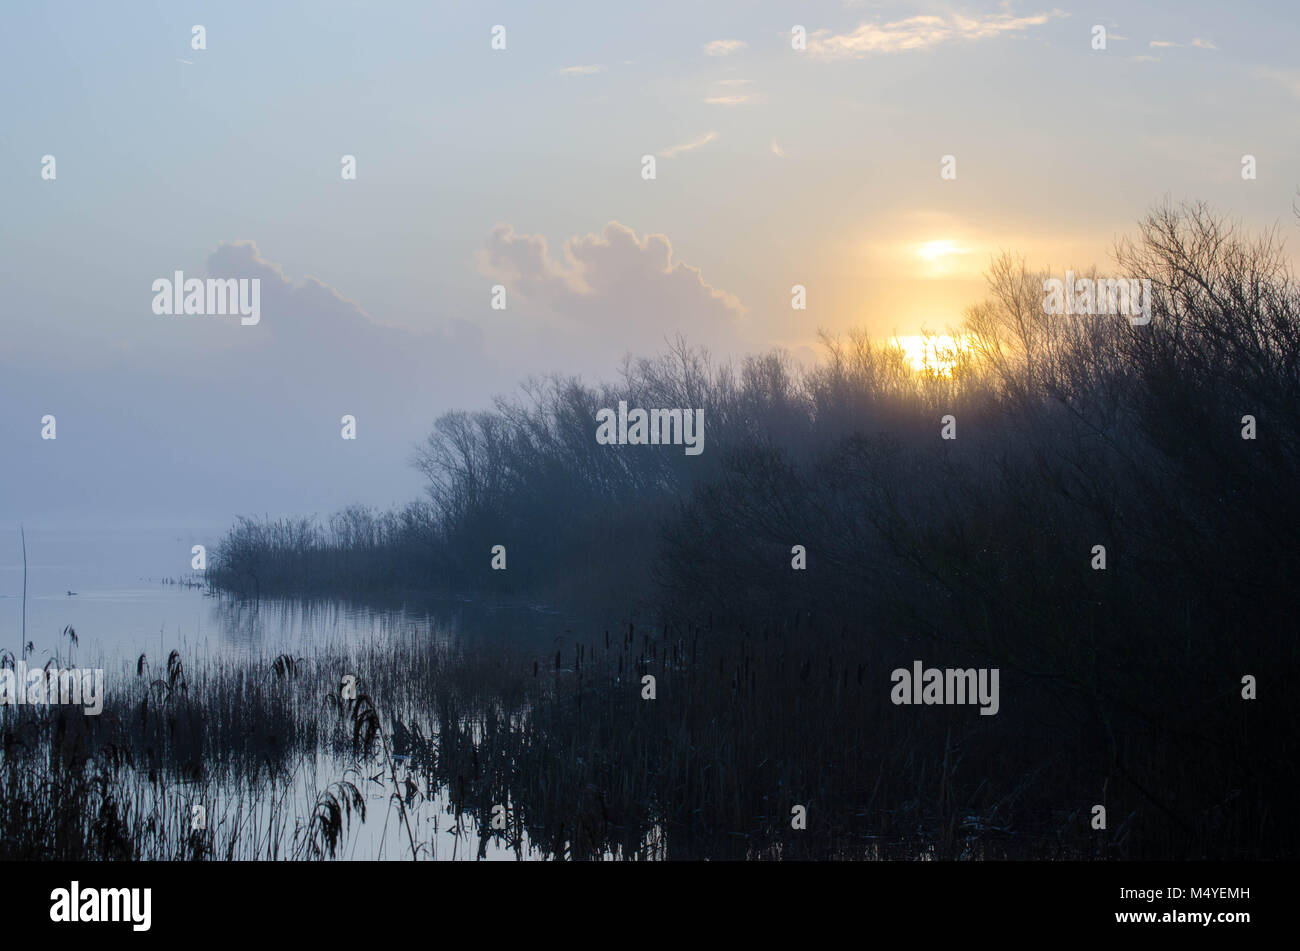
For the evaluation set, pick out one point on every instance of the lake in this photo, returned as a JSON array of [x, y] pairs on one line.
[[129, 599], [123, 605]]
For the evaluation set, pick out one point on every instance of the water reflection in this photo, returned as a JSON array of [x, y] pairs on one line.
[[271, 625]]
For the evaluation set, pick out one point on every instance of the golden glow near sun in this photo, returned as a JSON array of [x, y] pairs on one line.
[[934, 250], [931, 353], [939, 258]]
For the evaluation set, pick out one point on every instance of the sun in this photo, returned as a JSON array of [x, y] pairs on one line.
[[931, 353], [940, 257], [934, 251]]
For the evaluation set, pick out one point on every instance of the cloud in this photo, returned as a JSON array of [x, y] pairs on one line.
[[735, 94], [676, 150], [1288, 78], [724, 47], [1196, 42], [292, 313], [210, 417], [919, 33], [777, 150], [312, 334], [582, 70], [627, 290], [734, 100]]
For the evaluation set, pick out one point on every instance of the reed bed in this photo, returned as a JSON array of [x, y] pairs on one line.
[[562, 751]]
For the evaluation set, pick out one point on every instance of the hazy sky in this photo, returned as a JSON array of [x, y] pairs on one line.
[[523, 167]]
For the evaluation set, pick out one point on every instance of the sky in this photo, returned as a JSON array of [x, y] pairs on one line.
[[524, 167]]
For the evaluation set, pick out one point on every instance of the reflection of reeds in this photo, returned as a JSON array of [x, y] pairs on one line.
[[743, 728]]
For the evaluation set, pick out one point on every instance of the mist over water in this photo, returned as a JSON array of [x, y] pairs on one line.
[[126, 602], [120, 590]]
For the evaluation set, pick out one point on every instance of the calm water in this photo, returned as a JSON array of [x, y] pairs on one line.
[[122, 607]]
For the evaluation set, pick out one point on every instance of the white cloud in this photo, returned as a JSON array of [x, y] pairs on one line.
[[724, 47], [1196, 42], [919, 33], [314, 356], [582, 70], [777, 150], [675, 150], [735, 93], [733, 100], [312, 318], [625, 289]]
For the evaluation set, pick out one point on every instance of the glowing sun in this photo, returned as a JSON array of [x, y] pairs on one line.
[[931, 353], [937, 250]]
